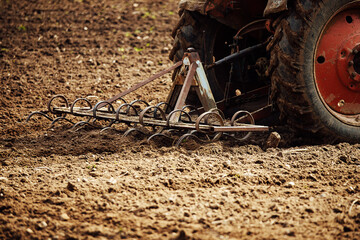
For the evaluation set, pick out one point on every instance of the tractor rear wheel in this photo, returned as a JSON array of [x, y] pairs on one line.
[[316, 67]]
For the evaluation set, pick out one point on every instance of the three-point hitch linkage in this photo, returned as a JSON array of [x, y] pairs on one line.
[[171, 119]]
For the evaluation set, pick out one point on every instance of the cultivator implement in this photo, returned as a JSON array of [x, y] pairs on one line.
[[172, 119]]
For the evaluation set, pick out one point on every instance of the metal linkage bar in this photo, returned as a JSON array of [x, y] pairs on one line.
[[150, 121]]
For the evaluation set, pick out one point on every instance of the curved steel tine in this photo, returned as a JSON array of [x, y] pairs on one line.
[[133, 130], [53, 98], [159, 105], [82, 123], [117, 112], [158, 135], [58, 119], [38, 113], [108, 128], [206, 115], [128, 110], [104, 103], [186, 136], [233, 137], [175, 111], [77, 100], [137, 101], [143, 112], [192, 134], [218, 111], [233, 120], [191, 107], [121, 99]]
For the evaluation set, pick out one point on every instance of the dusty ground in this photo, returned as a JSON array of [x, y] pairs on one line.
[[56, 184]]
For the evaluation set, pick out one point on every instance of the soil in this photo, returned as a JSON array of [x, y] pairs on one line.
[[61, 184]]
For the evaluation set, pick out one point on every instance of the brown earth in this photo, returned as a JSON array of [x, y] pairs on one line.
[[58, 184]]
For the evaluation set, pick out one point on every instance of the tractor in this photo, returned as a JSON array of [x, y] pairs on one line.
[[309, 59]]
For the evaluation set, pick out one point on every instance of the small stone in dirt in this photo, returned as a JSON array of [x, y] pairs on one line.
[[290, 185], [112, 180], [214, 206], [93, 174], [64, 217], [165, 50], [29, 231], [3, 179], [272, 141], [136, 74], [150, 63], [42, 225]]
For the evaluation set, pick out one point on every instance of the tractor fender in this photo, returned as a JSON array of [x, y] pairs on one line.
[[275, 6]]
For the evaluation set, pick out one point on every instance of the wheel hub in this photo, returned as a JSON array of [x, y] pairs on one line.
[[337, 63]]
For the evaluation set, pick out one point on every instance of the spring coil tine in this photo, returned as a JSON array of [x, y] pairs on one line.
[[137, 101], [111, 108], [192, 134], [134, 108], [159, 105], [175, 111], [77, 100], [81, 124], [143, 112], [206, 115], [50, 109], [58, 119], [191, 107], [127, 111], [133, 130], [38, 113], [233, 120], [218, 111], [121, 100], [117, 112], [108, 128], [158, 135], [186, 136]]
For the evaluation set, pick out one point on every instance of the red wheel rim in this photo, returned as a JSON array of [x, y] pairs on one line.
[[337, 65]]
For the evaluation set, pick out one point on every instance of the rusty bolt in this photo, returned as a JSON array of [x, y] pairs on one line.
[[341, 103], [355, 51], [353, 75]]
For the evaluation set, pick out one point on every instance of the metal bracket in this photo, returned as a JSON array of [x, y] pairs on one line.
[[195, 77]]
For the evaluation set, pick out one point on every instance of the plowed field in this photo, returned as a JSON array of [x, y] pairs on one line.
[[60, 184]]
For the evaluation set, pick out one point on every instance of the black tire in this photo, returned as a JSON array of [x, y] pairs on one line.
[[207, 37], [292, 65]]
